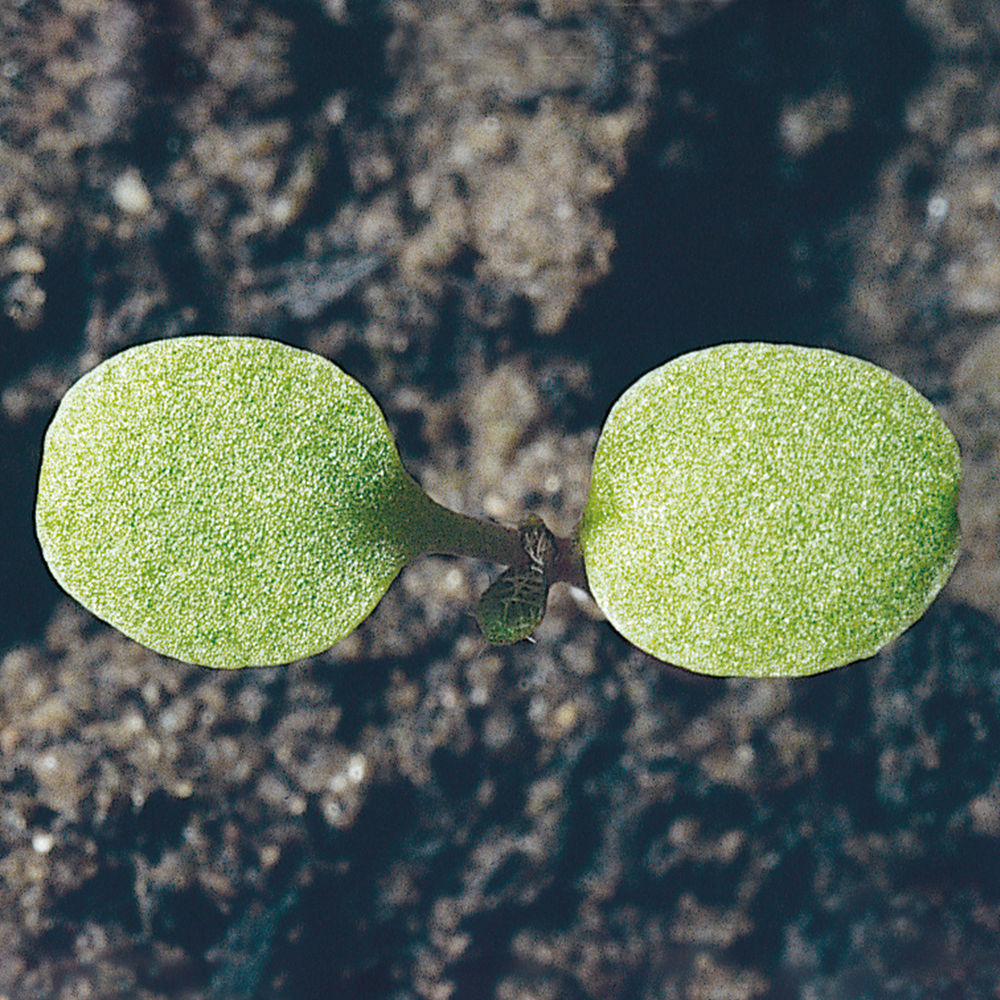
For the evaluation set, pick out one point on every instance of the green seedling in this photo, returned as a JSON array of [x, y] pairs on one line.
[[755, 509]]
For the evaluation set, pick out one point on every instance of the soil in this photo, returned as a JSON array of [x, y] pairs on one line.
[[497, 215]]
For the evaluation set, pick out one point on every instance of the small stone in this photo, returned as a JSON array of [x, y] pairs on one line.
[[26, 260], [130, 194]]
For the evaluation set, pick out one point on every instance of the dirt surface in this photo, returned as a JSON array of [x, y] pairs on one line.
[[496, 216]]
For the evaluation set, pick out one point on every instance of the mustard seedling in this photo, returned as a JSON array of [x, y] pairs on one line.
[[755, 509]]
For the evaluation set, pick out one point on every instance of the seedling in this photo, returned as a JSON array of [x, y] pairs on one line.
[[755, 509]]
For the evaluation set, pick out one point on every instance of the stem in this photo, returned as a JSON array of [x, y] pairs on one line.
[[434, 529], [567, 563]]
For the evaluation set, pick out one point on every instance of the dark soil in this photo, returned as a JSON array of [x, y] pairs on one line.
[[497, 215]]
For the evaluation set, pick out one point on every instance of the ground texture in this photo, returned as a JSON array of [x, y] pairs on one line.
[[496, 215]]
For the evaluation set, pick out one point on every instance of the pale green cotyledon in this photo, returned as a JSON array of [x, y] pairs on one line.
[[768, 509]]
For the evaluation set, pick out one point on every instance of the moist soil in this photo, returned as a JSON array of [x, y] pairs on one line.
[[497, 215]]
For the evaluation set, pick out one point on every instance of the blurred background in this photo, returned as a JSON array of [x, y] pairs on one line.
[[496, 215]]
